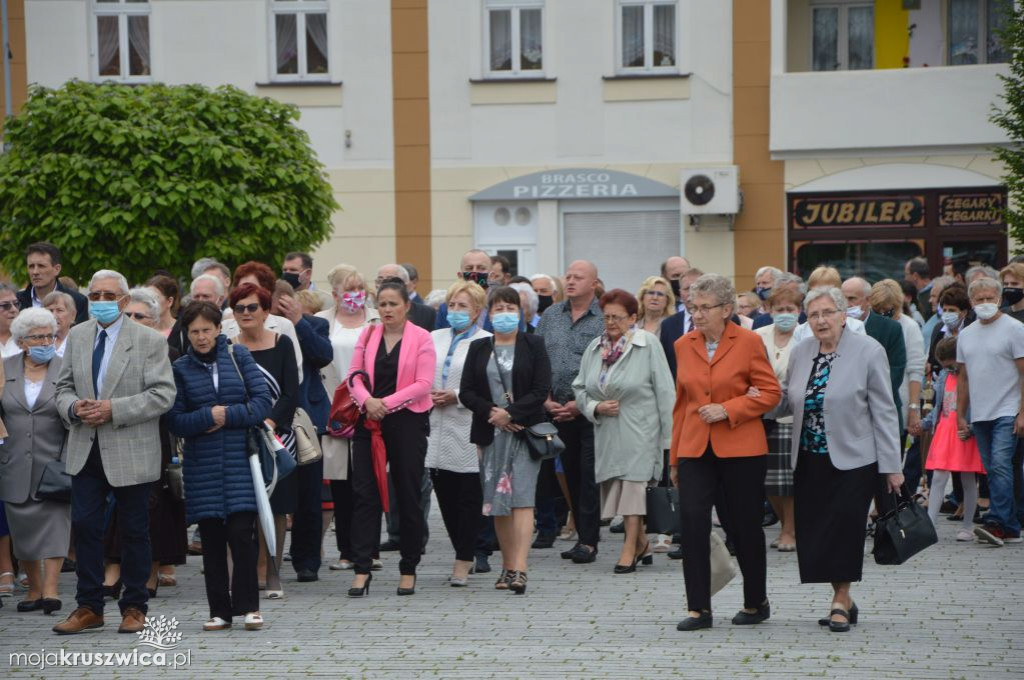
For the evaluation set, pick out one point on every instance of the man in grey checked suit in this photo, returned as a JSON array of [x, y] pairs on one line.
[[114, 385]]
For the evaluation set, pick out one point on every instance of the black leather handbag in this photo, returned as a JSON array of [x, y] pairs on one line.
[[542, 440], [902, 532], [55, 482], [663, 510]]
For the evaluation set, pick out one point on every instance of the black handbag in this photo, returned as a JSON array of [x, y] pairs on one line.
[[55, 482], [542, 440], [902, 532], [663, 510]]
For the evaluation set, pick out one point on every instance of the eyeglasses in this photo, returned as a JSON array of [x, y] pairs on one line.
[[47, 338], [9, 305], [703, 309], [656, 293], [823, 314], [137, 315], [614, 319], [104, 295], [251, 308]]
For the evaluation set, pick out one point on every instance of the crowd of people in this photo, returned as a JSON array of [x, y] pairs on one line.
[[804, 402]]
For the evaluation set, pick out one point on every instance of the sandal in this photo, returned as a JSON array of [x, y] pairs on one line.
[[167, 580], [7, 589], [503, 580], [787, 547], [774, 544], [273, 595], [518, 583]]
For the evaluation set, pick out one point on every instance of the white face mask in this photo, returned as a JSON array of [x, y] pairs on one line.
[[854, 312], [951, 319], [986, 310]]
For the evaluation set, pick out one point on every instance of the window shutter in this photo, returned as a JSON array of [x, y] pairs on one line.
[[627, 247]]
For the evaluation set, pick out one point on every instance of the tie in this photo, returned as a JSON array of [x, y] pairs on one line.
[[97, 360], [689, 325]]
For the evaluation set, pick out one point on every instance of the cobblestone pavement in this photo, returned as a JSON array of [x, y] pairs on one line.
[[952, 612]]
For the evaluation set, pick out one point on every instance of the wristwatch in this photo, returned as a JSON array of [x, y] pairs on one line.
[[914, 407]]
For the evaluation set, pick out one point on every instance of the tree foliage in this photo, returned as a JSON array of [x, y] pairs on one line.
[[1010, 117], [135, 178]]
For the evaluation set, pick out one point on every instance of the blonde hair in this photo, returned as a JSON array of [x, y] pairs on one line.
[[471, 288], [825, 276], [648, 284], [1014, 269], [310, 301], [341, 274], [886, 294]]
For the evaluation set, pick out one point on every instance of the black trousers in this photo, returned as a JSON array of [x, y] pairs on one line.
[[578, 463], [405, 436], [742, 480], [460, 497], [307, 522], [238, 532]]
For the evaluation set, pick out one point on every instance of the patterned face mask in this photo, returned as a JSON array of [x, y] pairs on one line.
[[354, 300]]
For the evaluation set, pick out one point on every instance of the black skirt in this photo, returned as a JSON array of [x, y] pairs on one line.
[[831, 512]]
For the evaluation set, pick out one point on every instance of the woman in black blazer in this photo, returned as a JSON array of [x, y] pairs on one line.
[[505, 381]]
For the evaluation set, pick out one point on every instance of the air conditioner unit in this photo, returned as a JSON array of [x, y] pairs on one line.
[[710, 191]]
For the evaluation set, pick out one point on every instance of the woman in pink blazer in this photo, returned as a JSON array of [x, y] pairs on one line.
[[396, 358]]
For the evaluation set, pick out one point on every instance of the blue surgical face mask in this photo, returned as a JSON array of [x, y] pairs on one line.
[[762, 292], [506, 322], [41, 354], [459, 320], [785, 322], [104, 311]]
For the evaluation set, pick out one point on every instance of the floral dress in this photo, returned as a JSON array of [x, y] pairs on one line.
[[812, 435]]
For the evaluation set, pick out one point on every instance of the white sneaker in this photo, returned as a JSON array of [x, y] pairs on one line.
[[216, 623], [376, 565], [964, 535], [663, 544], [253, 621], [341, 565]]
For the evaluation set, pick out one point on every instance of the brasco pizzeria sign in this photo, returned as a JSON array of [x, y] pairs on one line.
[[576, 183], [857, 211]]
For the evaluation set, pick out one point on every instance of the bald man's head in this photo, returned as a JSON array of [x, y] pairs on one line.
[[856, 291], [675, 268], [580, 280]]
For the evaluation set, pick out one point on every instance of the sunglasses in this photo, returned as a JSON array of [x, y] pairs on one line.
[[105, 296], [9, 305], [251, 308], [137, 315]]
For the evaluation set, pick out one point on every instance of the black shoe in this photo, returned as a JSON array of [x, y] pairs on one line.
[[30, 605], [50, 605], [980, 517], [482, 566], [571, 552], [851, 618], [306, 576], [948, 507], [769, 519], [389, 546], [585, 556], [543, 541], [69, 566], [619, 528], [705, 620], [408, 591], [676, 554], [742, 618], [364, 591], [114, 591]]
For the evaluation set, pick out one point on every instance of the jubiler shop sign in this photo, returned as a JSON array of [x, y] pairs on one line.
[[858, 211], [576, 183]]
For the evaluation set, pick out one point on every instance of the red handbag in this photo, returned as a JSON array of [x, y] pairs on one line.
[[344, 409]]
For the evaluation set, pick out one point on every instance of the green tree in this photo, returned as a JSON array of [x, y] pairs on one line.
[[135, 178], [1010, 117]]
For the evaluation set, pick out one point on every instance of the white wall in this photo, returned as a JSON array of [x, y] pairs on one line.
[[57, 41]]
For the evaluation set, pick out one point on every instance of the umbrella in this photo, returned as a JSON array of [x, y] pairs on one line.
[[266, 515], [378, 453]]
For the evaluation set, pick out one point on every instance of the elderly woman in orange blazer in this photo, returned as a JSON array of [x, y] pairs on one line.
[[718, 440]]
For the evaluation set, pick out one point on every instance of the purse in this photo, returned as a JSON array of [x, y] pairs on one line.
[[344, 409], [55, 482], [663, 510], [307, 444], [723, 569], [902, 532], [542, 440], [175, 479]]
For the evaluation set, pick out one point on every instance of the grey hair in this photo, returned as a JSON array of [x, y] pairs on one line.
[[984, 270], [789, 277], [402, 273], [715, 285], [984, 283], [543, 276], [531, 295], [145, 296], [6, 287], [435, 297], [110, 274], [865, 287], [60, 296], [30, 318], [202, 264], [774, 271], [826, 291], [939, 283], [217, 283]]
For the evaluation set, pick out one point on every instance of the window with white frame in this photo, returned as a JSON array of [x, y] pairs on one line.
[[298, 40], [647, 36], [514, 37], [842, 36], [121, 31], [974, 28]]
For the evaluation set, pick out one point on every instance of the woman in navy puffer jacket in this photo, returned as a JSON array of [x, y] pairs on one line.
[[212, 412]]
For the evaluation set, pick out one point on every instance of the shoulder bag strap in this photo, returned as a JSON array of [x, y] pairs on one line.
[[231, 353], [501, 374]]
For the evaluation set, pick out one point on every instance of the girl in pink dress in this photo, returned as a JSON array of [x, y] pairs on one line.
[[949, 452]]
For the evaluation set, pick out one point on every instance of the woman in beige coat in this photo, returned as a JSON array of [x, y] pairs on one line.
[[625, 388]]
